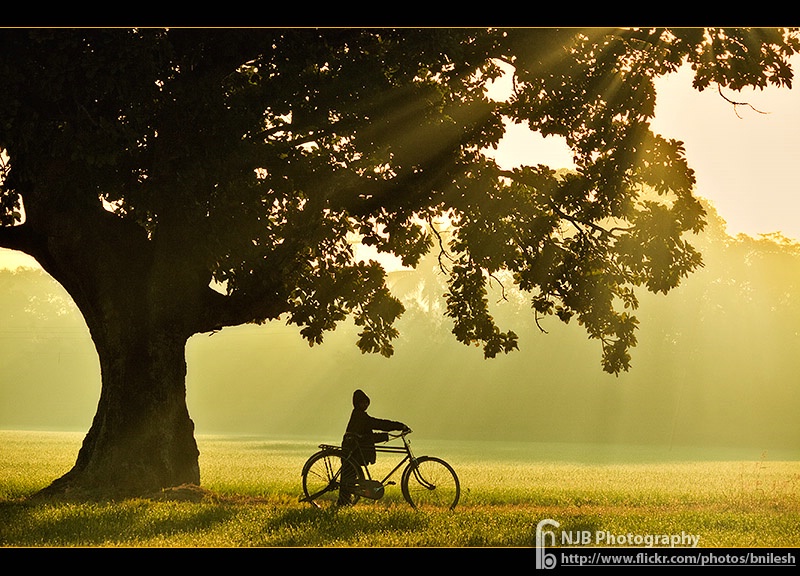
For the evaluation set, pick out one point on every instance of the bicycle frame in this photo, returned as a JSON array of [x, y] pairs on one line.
[[405, 449]]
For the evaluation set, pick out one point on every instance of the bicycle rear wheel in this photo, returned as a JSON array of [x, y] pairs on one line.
[[326, 476], [430, 483]]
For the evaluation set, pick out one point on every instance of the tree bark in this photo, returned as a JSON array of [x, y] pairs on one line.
[[142, 438], [136, 306]]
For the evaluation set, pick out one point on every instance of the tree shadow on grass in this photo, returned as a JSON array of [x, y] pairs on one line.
[[231, 521], [125, 523], [341, 527]]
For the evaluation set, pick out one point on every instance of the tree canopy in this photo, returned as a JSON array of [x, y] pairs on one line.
[[179, 181], [257, 156]]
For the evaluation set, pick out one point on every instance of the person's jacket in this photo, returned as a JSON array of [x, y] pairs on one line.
[[360, 436]]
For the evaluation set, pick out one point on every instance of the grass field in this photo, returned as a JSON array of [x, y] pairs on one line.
[[253, 487]]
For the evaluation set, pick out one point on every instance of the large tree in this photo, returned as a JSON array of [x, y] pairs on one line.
[[179, 181]]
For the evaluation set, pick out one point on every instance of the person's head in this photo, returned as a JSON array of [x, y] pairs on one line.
[[360, 400]]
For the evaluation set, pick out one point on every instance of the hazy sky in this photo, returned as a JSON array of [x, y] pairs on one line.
[[746, 162]]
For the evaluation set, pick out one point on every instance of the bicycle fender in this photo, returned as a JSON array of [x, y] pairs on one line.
[[327, 450]]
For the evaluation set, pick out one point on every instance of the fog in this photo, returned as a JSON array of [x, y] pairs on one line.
[[716, 366]]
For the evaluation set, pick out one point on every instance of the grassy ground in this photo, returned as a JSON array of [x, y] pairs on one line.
[[253, 487]]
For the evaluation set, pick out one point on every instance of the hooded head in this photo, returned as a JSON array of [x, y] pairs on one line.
[[360, 400]]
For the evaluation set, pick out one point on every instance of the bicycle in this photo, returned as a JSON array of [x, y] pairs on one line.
[[427, 482]]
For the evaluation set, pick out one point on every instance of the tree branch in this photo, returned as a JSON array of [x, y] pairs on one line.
[[221, 310], [21, 237], [737, 104], [442, 250]]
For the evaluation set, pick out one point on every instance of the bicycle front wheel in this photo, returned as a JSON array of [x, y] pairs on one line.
[[430, 483], [326, 476]]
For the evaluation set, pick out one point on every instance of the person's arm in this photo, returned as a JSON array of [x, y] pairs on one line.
[[386, 425]]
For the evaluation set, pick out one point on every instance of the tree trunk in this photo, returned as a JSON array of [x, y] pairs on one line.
[[141, 306], [141, 439]]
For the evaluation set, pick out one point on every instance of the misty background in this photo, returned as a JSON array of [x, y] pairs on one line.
[[716, 365]]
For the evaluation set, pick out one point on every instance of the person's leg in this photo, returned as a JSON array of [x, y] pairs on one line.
[[347, 480]]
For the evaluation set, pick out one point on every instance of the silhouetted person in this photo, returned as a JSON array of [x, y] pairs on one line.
[[360, 438]]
